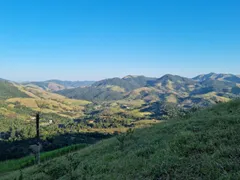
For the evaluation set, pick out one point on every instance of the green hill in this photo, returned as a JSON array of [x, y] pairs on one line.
[[202, 145], [108, 89], [220, 77], [92, 93], [173, 83], [129, 82], [8, 90], [56, 85]]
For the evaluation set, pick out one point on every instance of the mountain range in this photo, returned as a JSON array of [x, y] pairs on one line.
[[202, 89]]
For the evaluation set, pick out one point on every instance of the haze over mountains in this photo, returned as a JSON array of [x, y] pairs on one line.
[[56, 85], [202, 89]]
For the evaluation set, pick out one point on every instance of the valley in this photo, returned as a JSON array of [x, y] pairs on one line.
[[81, 113], [119, 90], [204, 144]]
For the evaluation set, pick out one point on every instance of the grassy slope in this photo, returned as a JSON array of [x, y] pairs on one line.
[[10, 165], [55, 85], [8, 90], [203, 146], [49, 102]]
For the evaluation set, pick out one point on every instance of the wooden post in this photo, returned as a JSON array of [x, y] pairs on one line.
[[38, 138]]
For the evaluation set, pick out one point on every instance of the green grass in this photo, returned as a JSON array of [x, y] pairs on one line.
[[11, 165], [206, 145]]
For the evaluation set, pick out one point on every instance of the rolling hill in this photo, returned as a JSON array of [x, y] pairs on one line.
[[9, 90], [202, 145], [128, 83], [220, 77], [48, 102], [108, 89], [175, 83], [56, 85], [18, 103]]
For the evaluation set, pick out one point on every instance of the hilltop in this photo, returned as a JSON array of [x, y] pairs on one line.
[[220, 77], [202, 145]]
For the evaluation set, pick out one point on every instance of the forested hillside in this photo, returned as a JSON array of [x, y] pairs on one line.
[[8, 90], [108, 89], [128, 83]]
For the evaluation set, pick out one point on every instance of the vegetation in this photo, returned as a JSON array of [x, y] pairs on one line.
[[166, 110], [108, 89], [170, 88], [17, 128], [92, 93], [18, 131], [221, 77], [8, 90], [56, 85], [203, 145], [47, 102], [128, 83], [63, 121], [117, 106], [11, 165]]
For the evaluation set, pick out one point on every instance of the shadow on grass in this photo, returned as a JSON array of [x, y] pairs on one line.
[[20, 148]]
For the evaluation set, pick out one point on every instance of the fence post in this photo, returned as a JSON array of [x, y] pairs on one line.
[[38, 138]]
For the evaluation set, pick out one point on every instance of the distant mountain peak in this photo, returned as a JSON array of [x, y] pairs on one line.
[[173, 78], [168, 76], [219, 77], [131, 76]]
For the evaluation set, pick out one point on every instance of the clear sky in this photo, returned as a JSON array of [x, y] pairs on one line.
[[96, 39]]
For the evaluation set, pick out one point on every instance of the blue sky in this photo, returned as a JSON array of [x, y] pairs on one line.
[[93, 39]]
